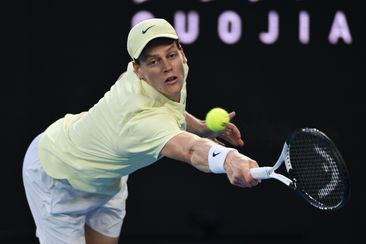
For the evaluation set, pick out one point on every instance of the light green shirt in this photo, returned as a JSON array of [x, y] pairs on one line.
[[125, 131]]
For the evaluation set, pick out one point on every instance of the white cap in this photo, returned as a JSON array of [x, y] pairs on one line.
[[145, 31]]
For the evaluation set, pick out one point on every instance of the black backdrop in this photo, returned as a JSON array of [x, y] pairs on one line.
[[61, 57]]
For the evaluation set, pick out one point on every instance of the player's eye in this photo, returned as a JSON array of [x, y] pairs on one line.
[[172, 55], [153, 61]]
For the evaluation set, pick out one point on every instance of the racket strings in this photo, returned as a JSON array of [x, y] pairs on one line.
[[316, 169]]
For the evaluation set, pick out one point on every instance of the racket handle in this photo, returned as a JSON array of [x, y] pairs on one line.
[[261, 173]]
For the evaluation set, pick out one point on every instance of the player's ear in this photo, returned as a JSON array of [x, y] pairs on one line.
[[137, 70], [185, 60]]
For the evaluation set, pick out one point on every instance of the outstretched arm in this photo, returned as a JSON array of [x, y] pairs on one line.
[[195, 150]]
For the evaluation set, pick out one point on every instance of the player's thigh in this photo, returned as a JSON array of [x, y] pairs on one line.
[[51, 227], [59, 210], [94, 237], [107, 220]]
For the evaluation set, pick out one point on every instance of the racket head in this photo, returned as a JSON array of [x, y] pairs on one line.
[[317, 169]]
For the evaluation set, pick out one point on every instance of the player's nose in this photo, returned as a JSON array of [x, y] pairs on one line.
[[166, 65]]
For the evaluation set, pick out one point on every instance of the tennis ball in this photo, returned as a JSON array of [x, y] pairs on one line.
[[217, 119]]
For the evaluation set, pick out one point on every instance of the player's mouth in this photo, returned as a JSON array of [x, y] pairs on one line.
[[171, 80]]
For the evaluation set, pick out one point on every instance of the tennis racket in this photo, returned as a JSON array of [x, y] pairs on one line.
[[314, 168]]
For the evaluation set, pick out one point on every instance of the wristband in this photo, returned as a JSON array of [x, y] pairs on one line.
[[216, 158]]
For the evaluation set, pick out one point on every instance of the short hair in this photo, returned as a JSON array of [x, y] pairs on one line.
[[156, 42]]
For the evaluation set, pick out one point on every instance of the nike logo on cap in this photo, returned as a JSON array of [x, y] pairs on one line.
[[144, 31]]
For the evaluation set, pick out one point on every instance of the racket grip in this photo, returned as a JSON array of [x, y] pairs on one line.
[[261, 173]]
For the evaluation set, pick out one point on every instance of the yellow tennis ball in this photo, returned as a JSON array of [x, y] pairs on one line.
[[217, 119]]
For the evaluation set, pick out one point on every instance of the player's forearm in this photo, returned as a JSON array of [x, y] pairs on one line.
[[189, 148], [196, 126], [207, 156], [203, 150], [199, 154]]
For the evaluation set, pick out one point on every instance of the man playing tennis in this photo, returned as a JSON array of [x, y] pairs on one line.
[[75, 172]]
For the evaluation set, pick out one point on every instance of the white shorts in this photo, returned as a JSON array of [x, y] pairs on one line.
[[60, 212]]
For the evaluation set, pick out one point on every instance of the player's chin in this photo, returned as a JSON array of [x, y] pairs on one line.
[[174, 87]]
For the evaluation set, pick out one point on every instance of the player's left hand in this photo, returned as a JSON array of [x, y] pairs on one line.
[[231, 133]]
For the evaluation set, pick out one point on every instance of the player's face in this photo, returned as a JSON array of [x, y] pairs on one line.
[[162, 68]]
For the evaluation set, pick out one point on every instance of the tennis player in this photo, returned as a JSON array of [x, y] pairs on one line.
[[75, 172]]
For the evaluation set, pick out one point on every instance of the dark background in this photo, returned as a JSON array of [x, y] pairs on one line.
[[61, 56]]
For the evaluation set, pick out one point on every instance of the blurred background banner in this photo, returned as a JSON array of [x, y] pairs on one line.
[[281, 65]]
